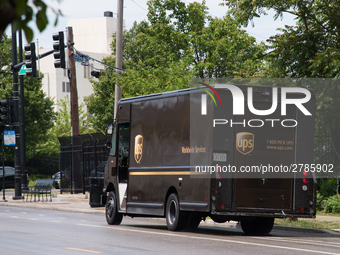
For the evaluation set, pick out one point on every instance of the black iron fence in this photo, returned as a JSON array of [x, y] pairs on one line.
[[81, 157], [43, 165]]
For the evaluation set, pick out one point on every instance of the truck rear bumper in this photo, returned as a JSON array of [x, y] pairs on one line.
[[263, 214]]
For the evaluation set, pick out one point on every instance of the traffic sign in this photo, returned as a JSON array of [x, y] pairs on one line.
[[23, 70], [9, 137]]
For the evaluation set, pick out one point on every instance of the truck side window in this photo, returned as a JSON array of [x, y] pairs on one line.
[[124, 134], [113, 141], [123, 151]]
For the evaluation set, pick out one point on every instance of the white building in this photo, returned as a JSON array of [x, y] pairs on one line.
[[92, 37]]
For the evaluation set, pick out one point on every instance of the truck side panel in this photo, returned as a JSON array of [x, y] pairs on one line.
[[161, 165]]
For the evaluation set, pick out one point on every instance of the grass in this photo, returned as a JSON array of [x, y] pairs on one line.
[[309, 223], [323, 213]]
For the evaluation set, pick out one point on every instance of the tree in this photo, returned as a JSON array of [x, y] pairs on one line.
[[308, 49], [20, 13], [39, 114], [177, 43], [62, 127]]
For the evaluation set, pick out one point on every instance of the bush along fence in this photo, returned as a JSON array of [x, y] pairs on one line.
[[81, 157]]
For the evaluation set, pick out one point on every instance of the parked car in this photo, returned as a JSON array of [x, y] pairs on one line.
[[56, 177], [9, 177], [100, 170]]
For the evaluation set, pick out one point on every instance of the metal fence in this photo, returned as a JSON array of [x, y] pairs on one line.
[[81, 157], [43, 165]]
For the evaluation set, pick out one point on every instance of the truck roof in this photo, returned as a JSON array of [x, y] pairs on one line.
[[187, 91], [157, 95]]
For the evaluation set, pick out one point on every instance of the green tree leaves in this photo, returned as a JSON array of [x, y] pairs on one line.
[[39, 114], [177, 43], [21, 12]]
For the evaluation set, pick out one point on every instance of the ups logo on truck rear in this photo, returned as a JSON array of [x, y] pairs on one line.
[[245, 142], [138, 148]]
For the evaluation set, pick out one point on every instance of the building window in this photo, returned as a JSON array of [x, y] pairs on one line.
[[66, 86]]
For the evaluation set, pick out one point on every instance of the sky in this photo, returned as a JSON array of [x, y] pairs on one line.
[[136, 10]]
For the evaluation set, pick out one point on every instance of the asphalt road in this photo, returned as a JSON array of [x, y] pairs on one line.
[[33, 231]]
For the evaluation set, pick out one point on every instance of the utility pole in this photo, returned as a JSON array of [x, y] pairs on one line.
[[17, 164], [119, 53], [74, 113], [73, 84]]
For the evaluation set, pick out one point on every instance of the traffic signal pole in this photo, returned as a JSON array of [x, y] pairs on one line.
[[24, 184], [15, 119]]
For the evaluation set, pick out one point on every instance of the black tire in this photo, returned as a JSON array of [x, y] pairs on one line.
[[193, 221], [175, 219], [113, 217], [258, 226]]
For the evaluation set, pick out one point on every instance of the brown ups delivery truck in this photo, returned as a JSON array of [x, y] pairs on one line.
[[229, 152]]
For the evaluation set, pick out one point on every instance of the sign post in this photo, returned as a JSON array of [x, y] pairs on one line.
[[3, 171], [8, 140]]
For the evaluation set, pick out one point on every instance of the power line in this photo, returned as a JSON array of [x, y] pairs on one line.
[[95, 60], [256, 35], [139, 6]]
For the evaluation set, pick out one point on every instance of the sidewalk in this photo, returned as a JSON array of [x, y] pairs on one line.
[[80, 203], [62, 202]]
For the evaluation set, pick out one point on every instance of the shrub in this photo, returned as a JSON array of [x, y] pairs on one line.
[[327, 187], [319, 201], [332, 204]]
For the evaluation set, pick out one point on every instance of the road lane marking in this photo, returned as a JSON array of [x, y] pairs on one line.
[[76, 249], [211, 239], [279, 239]]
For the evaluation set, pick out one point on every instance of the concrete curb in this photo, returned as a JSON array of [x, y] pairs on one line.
[[314, 230]]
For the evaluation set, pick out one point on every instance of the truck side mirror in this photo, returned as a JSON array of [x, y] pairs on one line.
[[108, 144], [109, 129]]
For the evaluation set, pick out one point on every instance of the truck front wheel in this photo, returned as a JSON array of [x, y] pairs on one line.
[[113, 217], [257, 226], [175, 219]]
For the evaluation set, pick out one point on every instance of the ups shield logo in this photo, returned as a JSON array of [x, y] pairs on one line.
[[138, 148], [245, 142]]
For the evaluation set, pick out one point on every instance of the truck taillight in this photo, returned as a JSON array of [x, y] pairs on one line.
[[304, 180]]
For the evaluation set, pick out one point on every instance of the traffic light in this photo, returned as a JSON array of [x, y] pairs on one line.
[[4, 111], [96, 74], [32, 59], [59, 50]]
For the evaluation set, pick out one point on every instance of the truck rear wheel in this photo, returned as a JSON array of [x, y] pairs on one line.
[[175, 219], [113, 217], [257, 226]]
